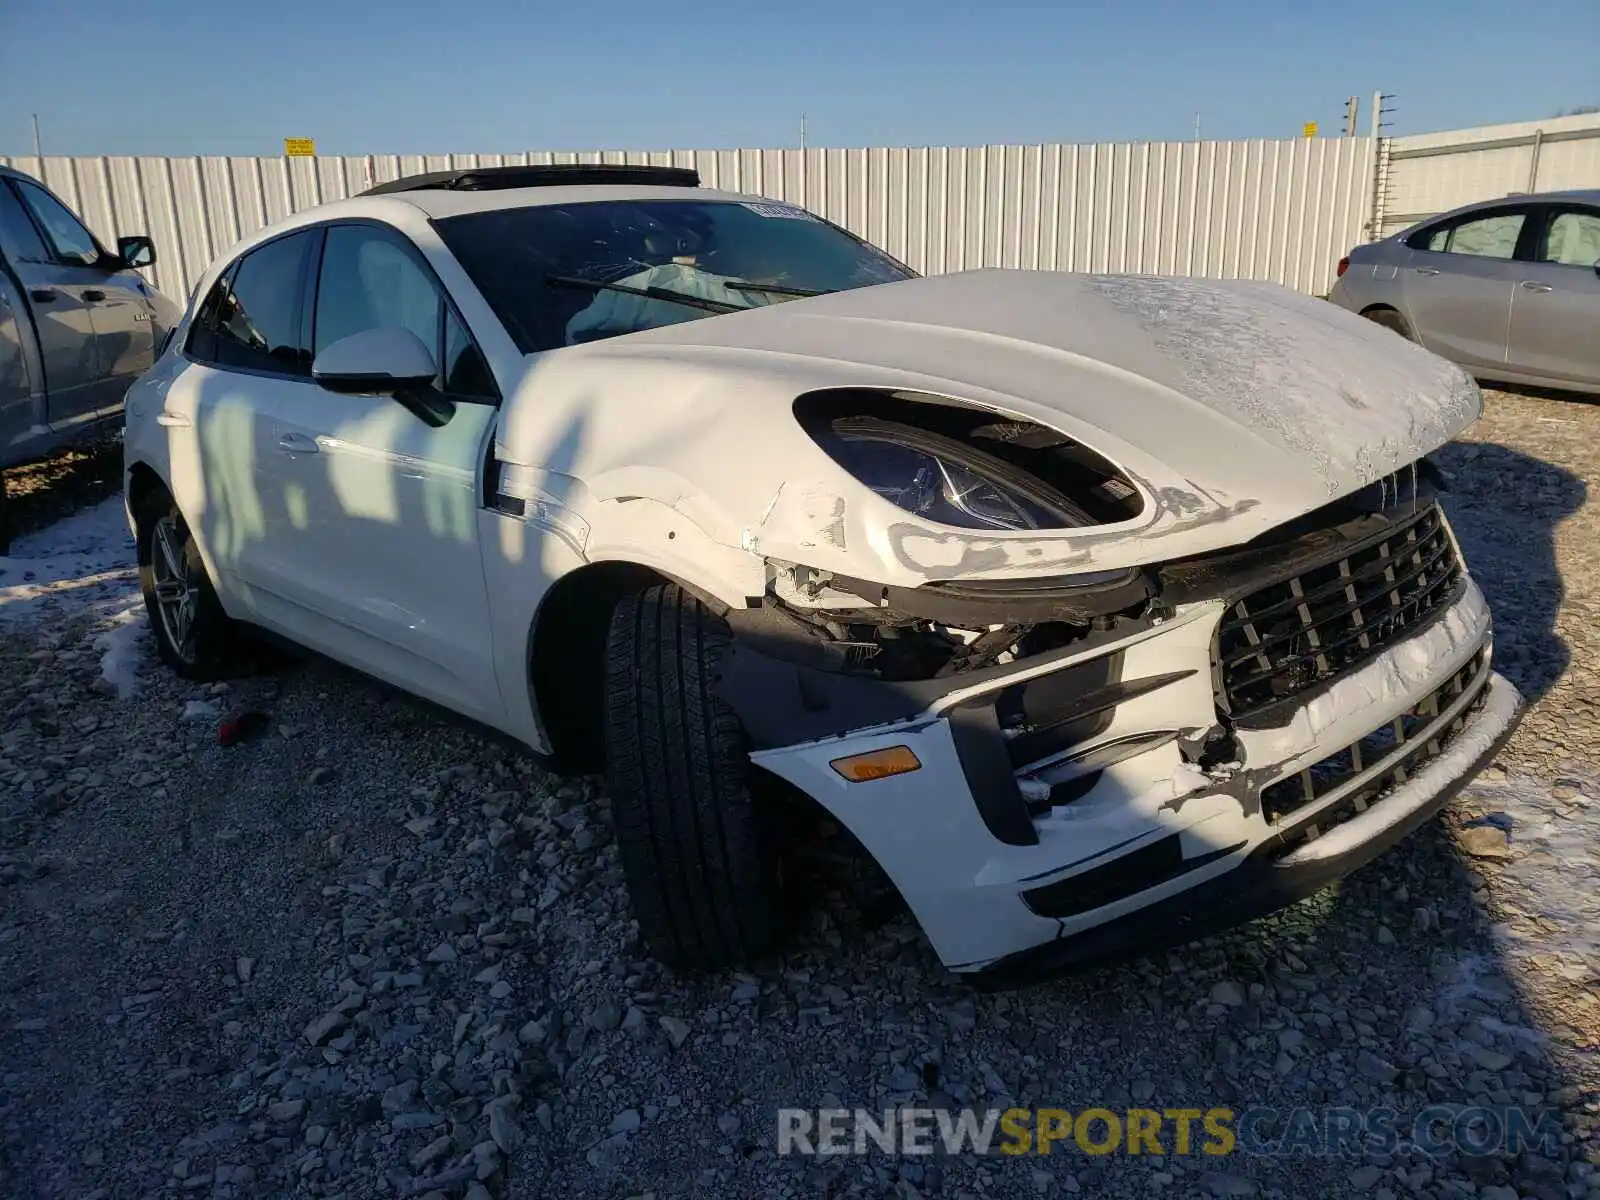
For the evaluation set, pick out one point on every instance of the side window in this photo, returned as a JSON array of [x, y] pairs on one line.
[[372, 279], [1483, 237], [466, 372], [202, 344], [71, 242], [18, 237], [1572, 238], [257, 316]]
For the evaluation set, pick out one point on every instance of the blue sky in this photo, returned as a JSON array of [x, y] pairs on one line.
[[415, 76]]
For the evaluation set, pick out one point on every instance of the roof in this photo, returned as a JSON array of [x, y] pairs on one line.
[[1580, 195]]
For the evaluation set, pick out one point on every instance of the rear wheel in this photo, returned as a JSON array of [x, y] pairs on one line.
[[194, 636], [700, 856], [1391, 319]]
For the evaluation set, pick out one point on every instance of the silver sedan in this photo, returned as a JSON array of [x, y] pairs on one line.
[[1509, 288]]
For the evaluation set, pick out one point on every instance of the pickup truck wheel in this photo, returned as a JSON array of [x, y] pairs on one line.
[[194, 636], [700, 857]]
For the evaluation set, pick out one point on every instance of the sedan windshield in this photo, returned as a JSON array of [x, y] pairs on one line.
[[563, 274]]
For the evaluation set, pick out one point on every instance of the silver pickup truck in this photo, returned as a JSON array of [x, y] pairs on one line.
[[78, 324]]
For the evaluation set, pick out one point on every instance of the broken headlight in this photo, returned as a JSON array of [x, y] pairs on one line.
[[942, 480]]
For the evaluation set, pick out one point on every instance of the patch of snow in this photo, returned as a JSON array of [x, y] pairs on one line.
[[83, 563], [122, 650], [1550, 885], [200, 710]]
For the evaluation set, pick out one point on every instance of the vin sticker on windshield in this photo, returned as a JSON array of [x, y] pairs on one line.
[[779, 210]]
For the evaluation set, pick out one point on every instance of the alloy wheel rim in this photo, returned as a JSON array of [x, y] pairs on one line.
[[176, 594]]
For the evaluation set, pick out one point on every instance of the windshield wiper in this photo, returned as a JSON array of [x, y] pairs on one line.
[[776, 290], [649, 293]]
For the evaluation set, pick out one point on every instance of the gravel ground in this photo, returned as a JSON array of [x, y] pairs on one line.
[[372, 954], [46, 491]]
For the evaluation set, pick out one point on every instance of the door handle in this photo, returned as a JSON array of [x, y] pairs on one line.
[[1427, 270], [41, 295], [1535, 286], [92, 294], [298, 443]]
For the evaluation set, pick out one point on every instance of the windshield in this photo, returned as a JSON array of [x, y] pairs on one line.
[[563, 274]]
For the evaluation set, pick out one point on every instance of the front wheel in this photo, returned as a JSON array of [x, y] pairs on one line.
[[194, 636], [700, 857]]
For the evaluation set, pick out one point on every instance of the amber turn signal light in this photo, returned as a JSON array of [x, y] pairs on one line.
[[876, 764]]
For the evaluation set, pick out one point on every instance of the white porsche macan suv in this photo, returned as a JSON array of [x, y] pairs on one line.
[[1102, 611]]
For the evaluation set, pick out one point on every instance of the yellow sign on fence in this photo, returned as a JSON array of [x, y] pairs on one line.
[[1310, 130], [307, 147]]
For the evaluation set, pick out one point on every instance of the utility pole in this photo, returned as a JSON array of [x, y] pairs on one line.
[[802, 131], [37, 151], [1379, 112]]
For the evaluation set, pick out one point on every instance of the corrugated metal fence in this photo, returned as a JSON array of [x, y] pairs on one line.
[[1276, 210]]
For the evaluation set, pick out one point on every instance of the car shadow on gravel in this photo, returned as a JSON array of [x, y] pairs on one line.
[[1504, 507], [43, 492]]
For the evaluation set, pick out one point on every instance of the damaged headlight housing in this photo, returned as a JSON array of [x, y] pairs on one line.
[[942, 480]]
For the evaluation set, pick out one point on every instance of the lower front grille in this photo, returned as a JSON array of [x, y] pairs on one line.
[[1418, 733]]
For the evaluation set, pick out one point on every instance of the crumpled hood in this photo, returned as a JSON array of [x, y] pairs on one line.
[[1235, 406]]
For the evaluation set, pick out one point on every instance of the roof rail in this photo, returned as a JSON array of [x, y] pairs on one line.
[[484, 179]]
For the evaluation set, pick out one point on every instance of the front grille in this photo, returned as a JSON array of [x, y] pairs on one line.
[[1326, 621], [1417, 731]]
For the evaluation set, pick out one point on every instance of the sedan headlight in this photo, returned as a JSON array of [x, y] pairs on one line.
[[942, 480]]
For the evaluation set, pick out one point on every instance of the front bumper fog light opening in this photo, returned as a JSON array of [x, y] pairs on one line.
[[876, 764]]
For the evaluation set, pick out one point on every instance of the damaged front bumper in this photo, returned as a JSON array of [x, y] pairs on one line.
[[1080, 804]]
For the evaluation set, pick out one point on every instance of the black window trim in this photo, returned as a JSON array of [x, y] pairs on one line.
[[410, 248], [44, 234], [1521, 252], [1551, 210], [229, 272]]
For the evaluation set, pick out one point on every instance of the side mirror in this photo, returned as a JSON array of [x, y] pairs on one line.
[[136, 251], [384, 362]]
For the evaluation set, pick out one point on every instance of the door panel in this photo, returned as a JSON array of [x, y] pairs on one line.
[[1458, 281], [124, 331], [216, 424], [1460, 307], [385, 508], [384, 550], [1555, 309], [72, 375], [247, 338]]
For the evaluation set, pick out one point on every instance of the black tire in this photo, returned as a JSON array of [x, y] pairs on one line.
[[700, 857], [209, 647], [1391, 319]]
